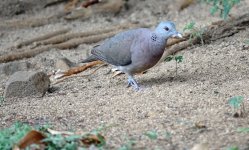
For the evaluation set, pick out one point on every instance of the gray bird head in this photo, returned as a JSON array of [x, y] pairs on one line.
[[167, 29]]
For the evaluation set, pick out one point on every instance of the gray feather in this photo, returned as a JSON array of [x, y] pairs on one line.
[[116, 50]]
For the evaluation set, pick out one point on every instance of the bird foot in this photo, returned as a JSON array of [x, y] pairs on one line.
[[133, 83]]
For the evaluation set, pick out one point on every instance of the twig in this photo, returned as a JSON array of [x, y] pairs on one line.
[[55, 2], [43, 37], [79, 69], [74, 75], [89, 3]]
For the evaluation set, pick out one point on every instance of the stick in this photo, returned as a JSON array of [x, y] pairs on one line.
[[79, 69], [85, 75]]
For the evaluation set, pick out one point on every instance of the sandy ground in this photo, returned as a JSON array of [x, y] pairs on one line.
[[208, 76]]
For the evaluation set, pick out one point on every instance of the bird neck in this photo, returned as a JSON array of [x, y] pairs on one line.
[[161, 34], [158, 38]]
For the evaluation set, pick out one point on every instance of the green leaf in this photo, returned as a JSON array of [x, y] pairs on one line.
[[213, 10], [226, 9], [73, 138], [102, 141], [233, 148], [245, 130], [178, 59], [247, 42], [71, 146], [236, 101], [189, 26], [151, 134], [169, 58]]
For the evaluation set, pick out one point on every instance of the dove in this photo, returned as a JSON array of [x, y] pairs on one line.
[[135, 50]]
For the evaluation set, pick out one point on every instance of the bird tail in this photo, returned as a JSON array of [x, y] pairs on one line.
[[89, 59]]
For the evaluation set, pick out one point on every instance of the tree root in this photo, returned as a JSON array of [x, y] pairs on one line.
[[24, 54], [43, 37], [31, 22]]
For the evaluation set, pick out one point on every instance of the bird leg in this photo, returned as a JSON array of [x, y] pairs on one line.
[[132, 82]]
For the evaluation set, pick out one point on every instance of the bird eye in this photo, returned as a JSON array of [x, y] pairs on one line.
[[166, 28]]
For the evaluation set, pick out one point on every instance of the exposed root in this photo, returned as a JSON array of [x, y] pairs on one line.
[[23, 54], [31, 22], [105, 6], [43, 37], [175, 41]]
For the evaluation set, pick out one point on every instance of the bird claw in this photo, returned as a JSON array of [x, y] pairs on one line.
[[133, 83]]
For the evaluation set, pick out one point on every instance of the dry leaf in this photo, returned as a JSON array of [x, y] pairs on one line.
[[33, 137], [185, 3], [91, 139]]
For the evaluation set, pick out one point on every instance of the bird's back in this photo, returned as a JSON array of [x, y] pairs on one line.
[[117, 50]]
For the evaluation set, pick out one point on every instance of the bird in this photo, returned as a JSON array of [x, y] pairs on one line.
[[135, 50]]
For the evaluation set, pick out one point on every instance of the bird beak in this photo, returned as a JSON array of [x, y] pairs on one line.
[[177, 35]]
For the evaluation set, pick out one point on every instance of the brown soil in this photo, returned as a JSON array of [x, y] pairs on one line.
[[208, 76]]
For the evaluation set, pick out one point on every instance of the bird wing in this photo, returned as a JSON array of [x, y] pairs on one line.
[[116, 50]]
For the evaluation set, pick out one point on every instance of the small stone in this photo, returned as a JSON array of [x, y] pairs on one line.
[[12, 67], [27, 83]]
